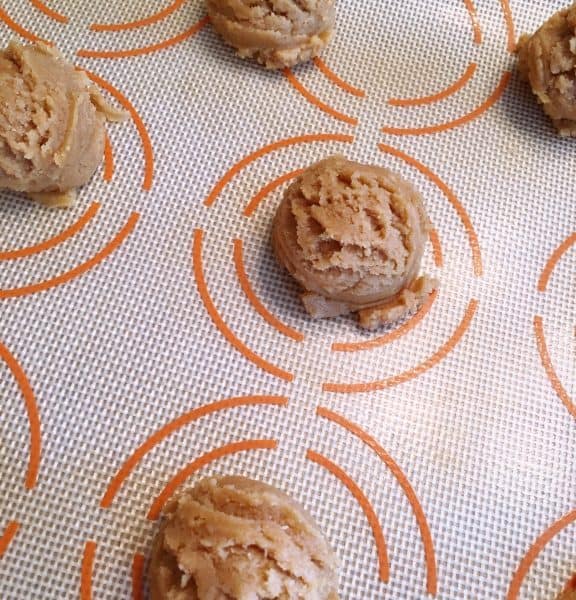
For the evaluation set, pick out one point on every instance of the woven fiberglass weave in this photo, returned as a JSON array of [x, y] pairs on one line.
[[148, 337]]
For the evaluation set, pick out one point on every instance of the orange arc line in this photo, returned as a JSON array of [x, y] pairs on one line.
[[393, 335], [84, 53], [8, 535], [33, 415], [168, 429], [108, 173], [511, 33], [549, 367], [475, 22], [436, 248], [303, 139], [477, 112], [199, 463], [553, 261], [268, 189], [432, 361], [451, 196], [20, 30], [56, 16], [384, 565], [159, 16], [137, 576], [534, 551], [449, 91], [53, 241], [138, 122], [297, 85], [432, 576], [86, 571], [219, 321], [255, 301], [68, 276], [331, 76]]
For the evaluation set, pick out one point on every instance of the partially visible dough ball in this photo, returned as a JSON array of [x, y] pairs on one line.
[[277, 33], [547, 59], [353, 236], [51, 124], [232, 538], [569, 592]]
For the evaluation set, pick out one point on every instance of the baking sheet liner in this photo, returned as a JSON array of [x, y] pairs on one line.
[[147, 336]]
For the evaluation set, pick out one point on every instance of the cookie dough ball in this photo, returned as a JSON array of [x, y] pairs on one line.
[[353, 236], [51, 124], [277, 33], [231, 538], [547, 60], [569, 592]]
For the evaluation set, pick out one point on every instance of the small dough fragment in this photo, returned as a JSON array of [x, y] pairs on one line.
[[547, 59], [353, 236], [51, 124], [232, 538], [276, 33]]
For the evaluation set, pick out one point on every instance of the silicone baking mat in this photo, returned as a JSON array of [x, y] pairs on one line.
[[147, 336]]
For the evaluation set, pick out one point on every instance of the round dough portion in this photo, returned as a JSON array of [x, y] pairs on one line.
[[276, 33], [232, 538], [569, 592], [353, 236], [547, 59], [51, 124]]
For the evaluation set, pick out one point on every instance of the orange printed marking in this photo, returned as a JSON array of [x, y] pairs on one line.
[[451, 196], [56, 16], [108, 173], [439, 355], [42, 286], [509, 25], [138, 576], [392, 336], [549, 367], [21, 31], [432, 576], [446, 93], [53, 241], [436, 248], [32, 412], [384, 565], [534, 551], [86, 571], [554, 260], [268, 189], [297, 85], [8, 535], [155, 18], [478, 112], [175, 425], [203, 461], [255, 301], [219, 322], [331, 76], [302, 139], [474, 20], [142, 131], [84, 53]]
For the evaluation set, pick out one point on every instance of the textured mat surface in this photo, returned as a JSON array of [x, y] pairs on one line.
[[147, 335]]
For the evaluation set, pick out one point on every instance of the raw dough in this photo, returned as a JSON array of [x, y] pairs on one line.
[[277, 33], [232, 538], [353, 236], [51, 124], [547, 60], [569, 592]]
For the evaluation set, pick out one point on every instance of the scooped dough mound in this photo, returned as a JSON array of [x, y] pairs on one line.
[[353, 236], [51, 124], [547, 59], [232, 538], [277, 33]]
